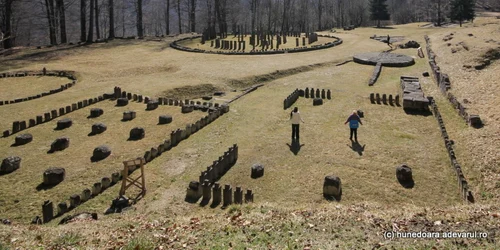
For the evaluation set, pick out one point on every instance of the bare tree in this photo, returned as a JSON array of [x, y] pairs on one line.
[[140, 30], [111, 19], [192, 15], [49, 6], [90, 35], [97, 30], [167, 17], [7, 37], [83, 14], [178, 9]]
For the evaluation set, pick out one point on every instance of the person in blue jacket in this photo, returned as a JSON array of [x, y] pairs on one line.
[[354, 122]]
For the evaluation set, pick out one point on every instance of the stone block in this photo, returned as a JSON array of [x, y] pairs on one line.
[[98, 128], [96, 112], [317, 101], [59, 144], [64, 123], [62, 208], [74, 200], [96, 188], [165, 119], [105, 182], [128, 115], [121, 102], [23, 139], [53, 176], [10, 164], [137, 133], [257, 171], [47, 211], [100, 153], [238, 195], [332, 187]]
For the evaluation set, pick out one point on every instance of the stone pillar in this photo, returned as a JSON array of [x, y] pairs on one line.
[[306, 92], [115, 177], [96, 188], [207, 194], [317, 93], [217, 194], [86, 194], [39, 119], [312, 93], [372, 98], [32, 122], [62, 208], [391, 102], [47, 117], [47, 211], [61, 111], [227, 196], [105, 182], [74, 200], [16, 127], [68, 109], [332, 187], [384, 98], [377, 96], [323, 94], [238, 196], [249, 196], [304, 41], [396, 100], [74, 107]]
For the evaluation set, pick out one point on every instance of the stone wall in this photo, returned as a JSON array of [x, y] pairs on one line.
[[443, 82], [462, 182], [57, 73], [413, 96]]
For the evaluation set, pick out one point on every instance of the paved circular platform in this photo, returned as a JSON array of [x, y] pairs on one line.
[[387, 59]]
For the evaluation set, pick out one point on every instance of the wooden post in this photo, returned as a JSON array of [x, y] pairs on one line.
[[139, 182]]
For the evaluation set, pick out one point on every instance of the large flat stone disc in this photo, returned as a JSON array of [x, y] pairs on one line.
[[387, 59]]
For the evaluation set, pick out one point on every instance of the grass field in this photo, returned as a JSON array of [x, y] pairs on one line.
[[289, 210]]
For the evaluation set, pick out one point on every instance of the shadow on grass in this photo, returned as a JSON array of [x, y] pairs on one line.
[[356, 147], [418, 112], [295, 146], [407, 184], [384, 28], [43, 186]]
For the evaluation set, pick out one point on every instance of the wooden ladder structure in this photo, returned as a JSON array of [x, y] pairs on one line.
[[128, 181]]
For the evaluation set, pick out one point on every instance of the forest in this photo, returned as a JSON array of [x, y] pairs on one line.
[[43, 22]]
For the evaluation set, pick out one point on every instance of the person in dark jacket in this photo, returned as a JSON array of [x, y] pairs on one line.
[[354, 122], [296, 119]]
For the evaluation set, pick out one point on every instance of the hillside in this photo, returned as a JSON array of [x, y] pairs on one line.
[[289, 211]]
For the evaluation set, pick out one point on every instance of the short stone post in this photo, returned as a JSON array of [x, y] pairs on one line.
[[47, 211], [332, 187], [377, 96], [227, 195], [238, 196], [391, 101], [328, 95], [74, 200], [217, 194], [248, 196], [96, 189], [62, 208], [86, 195], [207, 194]]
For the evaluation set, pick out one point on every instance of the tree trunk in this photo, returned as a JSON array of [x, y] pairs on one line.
[[140, 32], [7, 43], [179, 15], [192, 15], [167, 18], [320, 11], [83, 14], [439, 13], [62, 20], [97, 30], [111, 19], [90, 35], [49, 4]]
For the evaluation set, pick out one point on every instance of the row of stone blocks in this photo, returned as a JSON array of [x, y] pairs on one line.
[[67, 74], [217, 194], [462, 182], [443, 82], [376, 74], [291, 99], [375, 97], [311, 93], [123, 97], [175, 137], [178, 135], [48, 116], [176, 45], [77, 199], [220, 166]]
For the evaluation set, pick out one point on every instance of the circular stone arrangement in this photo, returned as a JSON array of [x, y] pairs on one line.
[[386, 59], [179, 44], [68, 74]]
